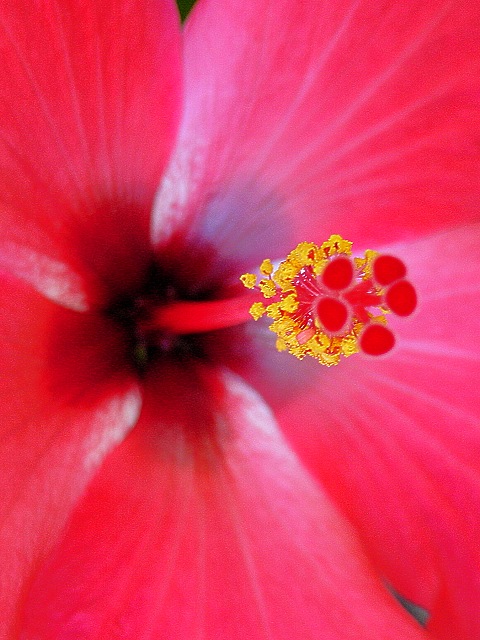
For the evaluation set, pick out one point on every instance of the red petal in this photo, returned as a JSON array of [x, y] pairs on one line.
[[89, 102], [398, 444], [363, 119], [203, 524], [53, 431]]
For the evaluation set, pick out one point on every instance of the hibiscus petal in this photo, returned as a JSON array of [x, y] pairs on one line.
[[396, 441], [202, 524], [51, 441], [89, 103], [317, 117]]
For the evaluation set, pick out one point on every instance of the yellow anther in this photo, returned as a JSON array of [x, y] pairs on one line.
[[336, 244], [268, 288], [285, 273], [266, 268], [257, 310], [365, 264], [249, 280], [274, 311], [290, 303], [304, 254]]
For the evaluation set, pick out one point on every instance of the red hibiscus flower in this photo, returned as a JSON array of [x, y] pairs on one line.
[[164, 483]]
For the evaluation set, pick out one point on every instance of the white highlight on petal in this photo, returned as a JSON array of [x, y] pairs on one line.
[[49, 277], [439, 349], [176, 191], [118, 417], [257, 413]]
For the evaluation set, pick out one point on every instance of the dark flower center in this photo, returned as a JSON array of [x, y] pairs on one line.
[[134, 312]]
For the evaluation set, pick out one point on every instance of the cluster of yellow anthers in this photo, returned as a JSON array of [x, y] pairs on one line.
[[295, 285]]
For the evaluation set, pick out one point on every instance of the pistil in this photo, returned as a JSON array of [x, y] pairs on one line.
[[325, 303], [185, 317]]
